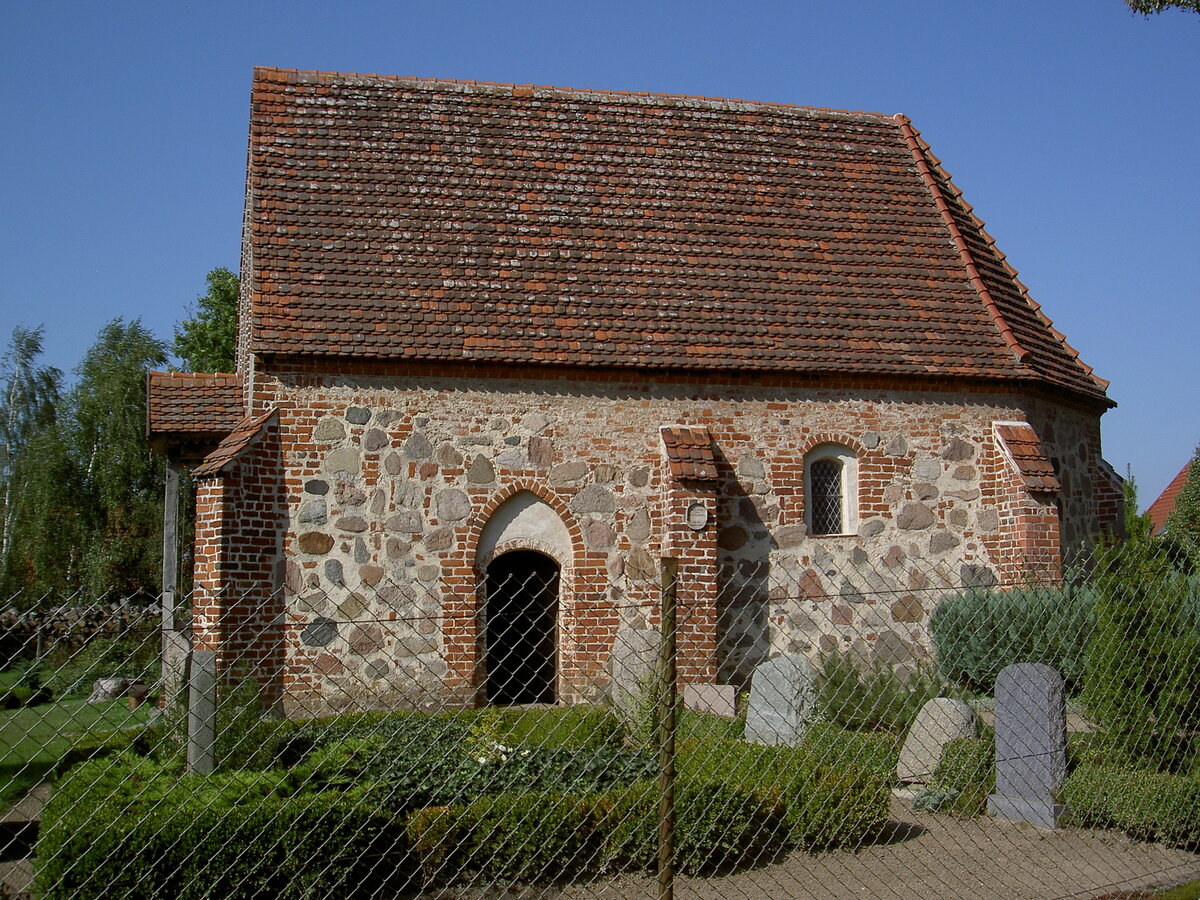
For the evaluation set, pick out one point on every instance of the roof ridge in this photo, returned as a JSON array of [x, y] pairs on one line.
[[927, 152], [271, 73], [919, 151]]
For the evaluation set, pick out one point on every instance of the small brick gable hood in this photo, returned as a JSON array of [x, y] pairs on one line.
[[398, 219]]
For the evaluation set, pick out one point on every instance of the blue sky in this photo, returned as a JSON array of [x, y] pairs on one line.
[[1071, 126]]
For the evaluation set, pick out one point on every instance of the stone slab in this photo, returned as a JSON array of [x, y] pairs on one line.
[[939, 722], [714, 699], [633, 661]]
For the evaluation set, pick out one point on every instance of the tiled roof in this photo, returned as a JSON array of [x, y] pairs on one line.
[[1030, 459], [237, 442], [689, 453], [1165, 504], [192, 403], [394, 219]]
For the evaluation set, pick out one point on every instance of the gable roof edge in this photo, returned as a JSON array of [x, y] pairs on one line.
[[925, 158], [918, 148]]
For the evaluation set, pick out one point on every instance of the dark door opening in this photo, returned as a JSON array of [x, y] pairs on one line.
[[522, 609]]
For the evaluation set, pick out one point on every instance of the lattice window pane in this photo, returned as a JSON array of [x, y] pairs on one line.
[[825, 481]]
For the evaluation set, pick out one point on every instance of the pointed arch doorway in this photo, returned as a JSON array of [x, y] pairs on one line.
[[522, 617]]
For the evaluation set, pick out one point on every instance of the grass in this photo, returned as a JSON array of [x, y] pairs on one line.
[[1189, 891], [34, 738]]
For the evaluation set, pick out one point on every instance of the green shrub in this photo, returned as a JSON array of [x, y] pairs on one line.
[[825, 803], [530, 836], [568, 726], [144, 742], [967, 774], [1147, 805], [122, 827], [405, 776], [876, 752], [836, 808], [873, 699], [1142, 684], [720, 826], [980, 631]]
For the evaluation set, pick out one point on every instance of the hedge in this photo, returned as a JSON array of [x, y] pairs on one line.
[[1146, 805], [120, 827]]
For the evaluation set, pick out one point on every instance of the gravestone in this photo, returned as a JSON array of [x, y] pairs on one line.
[[714, 699], [1031, 745], [632, 664], [939, 722], [782, 697]]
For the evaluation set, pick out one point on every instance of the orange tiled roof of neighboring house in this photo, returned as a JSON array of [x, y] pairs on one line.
[[1030, 459], [689, 453], [1165, 504], [192, 403], [243, 436], [406, 219]]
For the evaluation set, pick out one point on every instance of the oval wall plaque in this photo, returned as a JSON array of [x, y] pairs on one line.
[[697, 516]]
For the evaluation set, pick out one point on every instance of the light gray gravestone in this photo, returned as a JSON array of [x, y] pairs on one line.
[[631, 666], [1031, 745], [782, 700], [939, 722], [714, 699]]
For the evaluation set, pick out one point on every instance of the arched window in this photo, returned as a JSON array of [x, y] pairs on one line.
[[831, 490]]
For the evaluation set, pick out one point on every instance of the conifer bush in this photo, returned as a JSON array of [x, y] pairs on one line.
[[978, 632], [1142, 683]]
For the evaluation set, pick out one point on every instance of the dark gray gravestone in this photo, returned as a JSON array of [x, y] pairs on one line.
[[782, 697], [1031, 745]]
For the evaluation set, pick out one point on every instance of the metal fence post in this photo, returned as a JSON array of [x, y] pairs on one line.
[[202, 711], [666, 736]]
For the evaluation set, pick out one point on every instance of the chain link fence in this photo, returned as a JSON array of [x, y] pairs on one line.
[[938, 740]]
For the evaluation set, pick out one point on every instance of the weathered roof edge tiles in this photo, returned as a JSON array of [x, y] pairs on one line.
[[192, 403], [1024, 450], [244, 436], [400, 219], [689, 453]]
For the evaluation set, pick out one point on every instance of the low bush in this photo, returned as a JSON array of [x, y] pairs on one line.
[[871, 699], [121, 827], [145, 741], [542, 835], [1146, 805], [568, 726], [875, 752], [980, 631], [966, 776], [825, 804], [445, 773]]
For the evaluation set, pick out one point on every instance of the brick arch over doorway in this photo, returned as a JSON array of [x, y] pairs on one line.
[[586, 617]]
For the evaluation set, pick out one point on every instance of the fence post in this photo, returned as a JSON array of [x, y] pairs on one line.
[[666, 736], [202, 711], [174, 643]]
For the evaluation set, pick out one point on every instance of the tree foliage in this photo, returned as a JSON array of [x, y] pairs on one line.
[[207, 340], [28, 407], [1183, 523], [84, 494], [1151, 7]]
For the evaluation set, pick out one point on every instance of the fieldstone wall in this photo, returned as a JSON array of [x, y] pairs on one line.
[[390, 479]]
